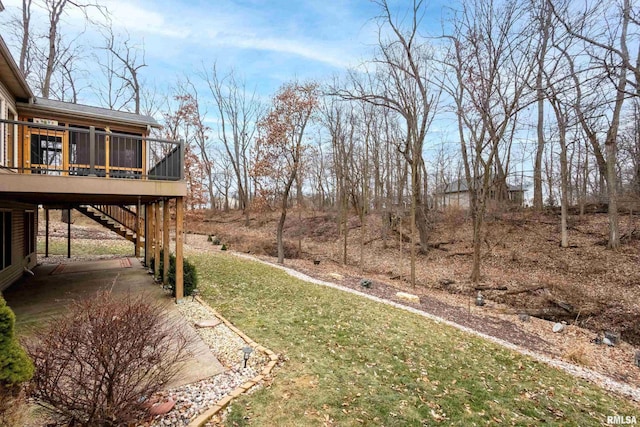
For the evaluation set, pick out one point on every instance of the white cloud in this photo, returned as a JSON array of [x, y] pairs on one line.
[[136, 18], [230, 26], [313, 51]]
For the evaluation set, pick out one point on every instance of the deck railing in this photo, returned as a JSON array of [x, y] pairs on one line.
[[87, 151]]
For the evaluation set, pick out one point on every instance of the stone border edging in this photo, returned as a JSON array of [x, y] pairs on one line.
[[590, 375], [203, 418]]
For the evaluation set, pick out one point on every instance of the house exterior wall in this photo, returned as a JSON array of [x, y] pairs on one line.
[[7, 107], [459, 199], [19, 260]]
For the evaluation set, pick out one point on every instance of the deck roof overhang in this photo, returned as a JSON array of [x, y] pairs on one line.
[[72, 190], [68, 111]]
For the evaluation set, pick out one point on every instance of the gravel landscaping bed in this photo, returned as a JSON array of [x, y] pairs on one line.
[[193, 399]]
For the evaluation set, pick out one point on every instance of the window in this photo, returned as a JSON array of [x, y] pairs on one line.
[[29, 233], [5, 239]]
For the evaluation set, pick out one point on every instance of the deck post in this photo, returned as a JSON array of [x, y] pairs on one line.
[[46, 232], [179, 252], [152, 232], [158, 240], [92, 151], [182, 153], [68, 233], [165, 241], [138, 228], [147, 240]]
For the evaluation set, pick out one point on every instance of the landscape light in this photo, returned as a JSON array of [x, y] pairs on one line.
[[479, 300], [247, 351]]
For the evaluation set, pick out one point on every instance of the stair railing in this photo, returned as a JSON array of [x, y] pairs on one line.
[[124, 216]]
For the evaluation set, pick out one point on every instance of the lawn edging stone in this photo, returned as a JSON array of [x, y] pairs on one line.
[[202, 419]]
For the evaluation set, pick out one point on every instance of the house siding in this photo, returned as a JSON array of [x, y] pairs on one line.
[[459, 199], [4, 93], [18, 259]]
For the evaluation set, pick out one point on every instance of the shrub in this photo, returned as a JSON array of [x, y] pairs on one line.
[[190, 276], [209, 238], [224, 247], [97, 364], [15, 368]]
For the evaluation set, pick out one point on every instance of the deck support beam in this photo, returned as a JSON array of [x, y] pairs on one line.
[[68, 233], [46, 232], [158, 240], [138, 241], [148, 241], [165, 241], [179, 249]]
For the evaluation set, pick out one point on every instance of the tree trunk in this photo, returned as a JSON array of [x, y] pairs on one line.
[[612, 190], [538, 203], [545, 23], [25, 49], [283, 217], [564, 203], [477, 242]]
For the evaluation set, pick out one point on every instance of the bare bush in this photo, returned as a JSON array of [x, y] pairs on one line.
[[98, 364]]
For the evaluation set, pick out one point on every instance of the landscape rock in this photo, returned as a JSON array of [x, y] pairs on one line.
[[524, 317], [636, 359], [408, 297], [162, 408], [208, 323], [336, 276], [558, 327], [607, 341], [613, 337]]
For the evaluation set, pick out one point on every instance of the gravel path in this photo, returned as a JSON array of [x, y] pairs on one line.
[[578, 371]]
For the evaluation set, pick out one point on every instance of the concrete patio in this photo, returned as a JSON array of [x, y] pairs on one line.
[[37, 299]]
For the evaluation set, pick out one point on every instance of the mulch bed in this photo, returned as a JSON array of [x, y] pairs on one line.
[[498, 328]]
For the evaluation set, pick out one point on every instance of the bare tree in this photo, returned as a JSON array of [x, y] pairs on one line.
[[542, 19], [238, 112], [402, 82], [122, 65], [492, 67], [338, 119], [606, 32], [54, 38], [26, 43], [48, 56]]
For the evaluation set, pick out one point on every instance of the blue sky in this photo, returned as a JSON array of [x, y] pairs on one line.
[[266, 42]]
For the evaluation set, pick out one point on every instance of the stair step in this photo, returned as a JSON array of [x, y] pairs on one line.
[[110, 223]]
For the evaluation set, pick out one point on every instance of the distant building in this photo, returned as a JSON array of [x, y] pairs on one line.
[[457, 194]]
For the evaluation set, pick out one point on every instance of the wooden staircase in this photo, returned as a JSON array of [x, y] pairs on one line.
[[119, 219]]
